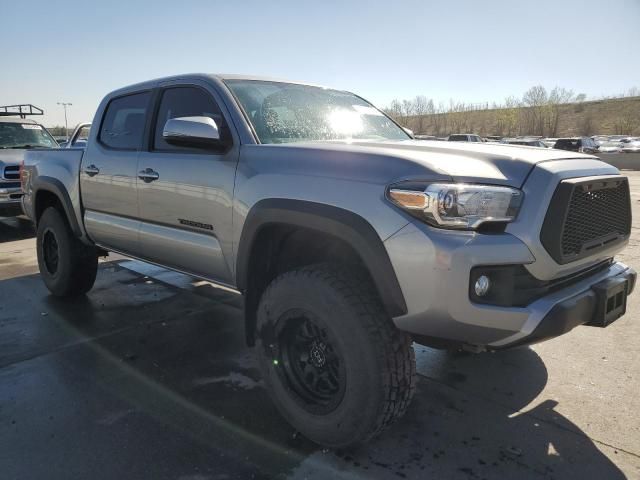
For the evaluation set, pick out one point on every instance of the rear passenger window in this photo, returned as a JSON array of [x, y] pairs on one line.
[[123, 122], [187, 102]]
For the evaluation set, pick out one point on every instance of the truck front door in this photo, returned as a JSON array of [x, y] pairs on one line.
[[185, 193]]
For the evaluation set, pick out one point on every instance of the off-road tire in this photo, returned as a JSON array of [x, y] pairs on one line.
[[76, 264], [379, 361]]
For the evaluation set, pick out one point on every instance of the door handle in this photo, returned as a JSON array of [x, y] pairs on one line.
[[148, 175], [92, 170]]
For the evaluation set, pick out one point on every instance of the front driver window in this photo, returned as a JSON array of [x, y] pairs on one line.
[[187, 102]]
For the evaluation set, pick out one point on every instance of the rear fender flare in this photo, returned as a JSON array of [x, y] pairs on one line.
[[55, 186]]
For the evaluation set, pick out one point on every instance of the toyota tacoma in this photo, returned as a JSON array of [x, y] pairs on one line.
[[348, 239]]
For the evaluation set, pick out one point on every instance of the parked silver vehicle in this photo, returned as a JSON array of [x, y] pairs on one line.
[[79, 136], [17, 135], [632, 146], [529, 142], [610, 147], [464, 137], [348, 239]]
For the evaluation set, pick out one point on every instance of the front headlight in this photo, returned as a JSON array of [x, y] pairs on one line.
[[459, 205]]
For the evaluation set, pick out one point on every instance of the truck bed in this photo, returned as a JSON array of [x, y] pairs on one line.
[[60, 169]]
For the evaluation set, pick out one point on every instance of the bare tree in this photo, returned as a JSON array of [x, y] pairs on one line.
[[626, 121], [537, 112], [420, 110], [586, 126], [558, 96], [536, 100], [395, 110], [508, 117]]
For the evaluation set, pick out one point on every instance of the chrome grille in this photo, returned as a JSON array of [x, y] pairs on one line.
[[12, 172]]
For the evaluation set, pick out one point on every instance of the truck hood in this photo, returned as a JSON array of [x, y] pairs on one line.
[[11, 156], [463, 162]]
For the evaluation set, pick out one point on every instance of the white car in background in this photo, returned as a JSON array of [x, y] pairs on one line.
[[632, 146], [530, 142], [610, 147]]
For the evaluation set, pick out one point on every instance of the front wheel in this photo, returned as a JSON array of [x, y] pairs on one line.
[[67, 266], [335, 365]]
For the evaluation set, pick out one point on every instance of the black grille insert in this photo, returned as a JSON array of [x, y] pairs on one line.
[[585, 216], [12, 172]]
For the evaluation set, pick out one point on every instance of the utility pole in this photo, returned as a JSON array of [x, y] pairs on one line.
[[66, 127]]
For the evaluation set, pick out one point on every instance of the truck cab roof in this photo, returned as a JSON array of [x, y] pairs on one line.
[[17, 120]]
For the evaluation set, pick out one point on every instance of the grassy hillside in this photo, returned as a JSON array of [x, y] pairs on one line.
[[608, 117]]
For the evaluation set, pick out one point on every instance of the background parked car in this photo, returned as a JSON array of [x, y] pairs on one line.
[[17, 135], [577, 144], [632, 146], [620, 138], [531, 142], [61, 139], [78, 138], [549, 142], [464, 137], [610, 147]]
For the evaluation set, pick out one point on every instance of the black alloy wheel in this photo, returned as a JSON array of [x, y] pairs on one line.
[[311, 364]]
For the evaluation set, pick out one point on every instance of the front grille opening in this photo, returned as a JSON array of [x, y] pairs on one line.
[[585, 217], [595, 218], [12, 172]]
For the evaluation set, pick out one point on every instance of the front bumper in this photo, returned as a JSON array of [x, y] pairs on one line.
[[433, 268], [578, 310], [10, 201]]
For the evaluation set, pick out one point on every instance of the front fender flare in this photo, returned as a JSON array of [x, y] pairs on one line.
[[343, 224]]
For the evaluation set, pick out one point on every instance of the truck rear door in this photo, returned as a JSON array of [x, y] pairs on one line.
[[109, 174], [186, 194]]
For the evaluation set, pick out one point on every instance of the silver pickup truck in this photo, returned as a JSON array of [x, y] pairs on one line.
[[347, 238], [17, 135]]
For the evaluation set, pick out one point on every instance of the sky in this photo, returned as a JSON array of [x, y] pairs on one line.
[[472, 51]]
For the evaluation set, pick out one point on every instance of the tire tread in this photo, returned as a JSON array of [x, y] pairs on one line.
[[397, 356]]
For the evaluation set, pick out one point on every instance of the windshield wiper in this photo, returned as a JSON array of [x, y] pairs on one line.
[[26, 146]]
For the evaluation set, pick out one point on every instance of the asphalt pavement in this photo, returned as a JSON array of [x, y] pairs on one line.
[[148, 377]]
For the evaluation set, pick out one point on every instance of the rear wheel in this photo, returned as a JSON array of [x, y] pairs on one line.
[[67, 266], [333, 362]]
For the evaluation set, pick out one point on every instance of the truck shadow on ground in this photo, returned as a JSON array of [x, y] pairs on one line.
[[15, 228], [176, 360]]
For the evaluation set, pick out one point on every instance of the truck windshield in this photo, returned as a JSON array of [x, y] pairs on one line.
[[25, 135], [286, 112]]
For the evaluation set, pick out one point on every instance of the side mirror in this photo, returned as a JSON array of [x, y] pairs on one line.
[[191, 132]]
